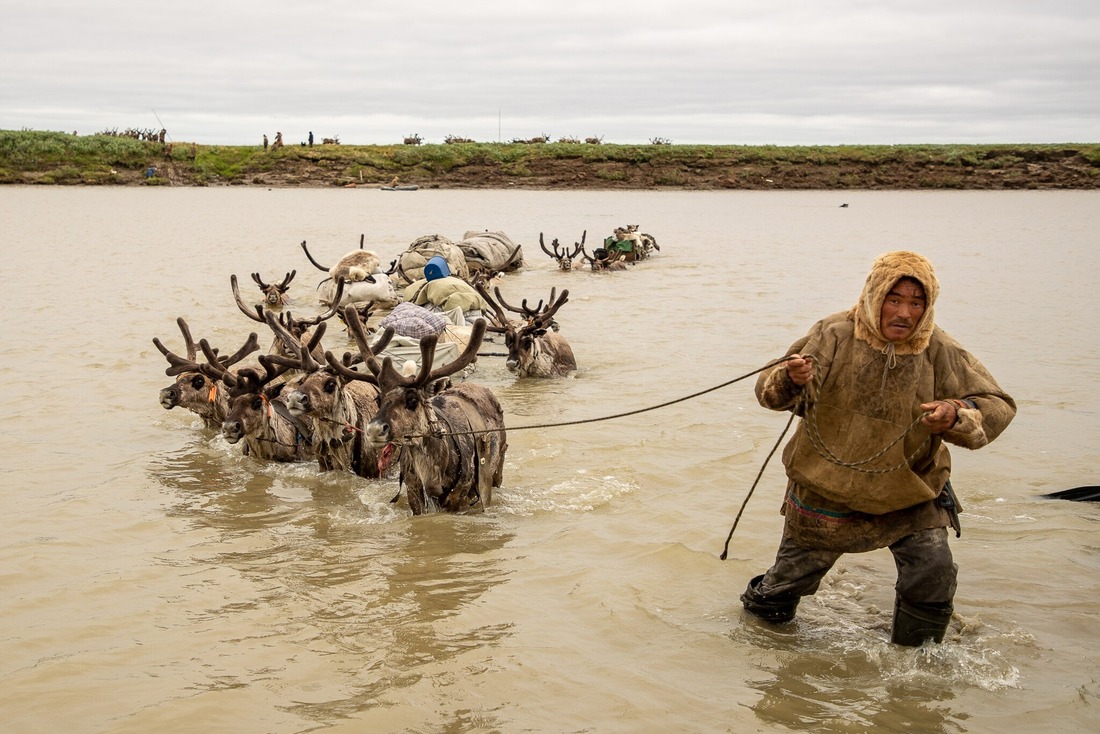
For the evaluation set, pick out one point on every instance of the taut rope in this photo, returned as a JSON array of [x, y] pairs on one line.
[[665, 404]]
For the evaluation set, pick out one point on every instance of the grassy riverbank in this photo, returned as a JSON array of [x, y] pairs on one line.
[[34, 157]]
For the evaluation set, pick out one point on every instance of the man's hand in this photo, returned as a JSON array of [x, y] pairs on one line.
[[800, 369], [941, 416]]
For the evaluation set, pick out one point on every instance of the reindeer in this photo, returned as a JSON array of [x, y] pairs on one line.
[[336, 403], [194, 390], [297, 327], [535, 348], [413, 139], [258, 417], [603, 261], [274, 294], [359, 268], [485, 274], [562, 254], [452, 439]]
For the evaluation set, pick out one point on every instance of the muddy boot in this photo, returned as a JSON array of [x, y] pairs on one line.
[[915, 623], [776, 609]]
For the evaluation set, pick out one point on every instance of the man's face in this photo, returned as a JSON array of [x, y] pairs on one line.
[[902, 310]]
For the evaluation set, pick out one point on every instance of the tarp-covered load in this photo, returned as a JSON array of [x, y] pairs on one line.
[[490, 251], [423, 249]]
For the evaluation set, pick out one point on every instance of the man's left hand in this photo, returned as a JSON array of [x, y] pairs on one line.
[[941, 418]]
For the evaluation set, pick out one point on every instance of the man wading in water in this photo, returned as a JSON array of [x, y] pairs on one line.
[[859, 380]]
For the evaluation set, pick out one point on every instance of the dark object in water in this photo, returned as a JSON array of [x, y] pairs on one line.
[[1077, 494]]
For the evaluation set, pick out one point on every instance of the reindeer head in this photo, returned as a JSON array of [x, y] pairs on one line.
[[296, 327], [405, 407], [485, 274], [251, 394], [522, 337], [562, 254], [275, 293], [195, 387]]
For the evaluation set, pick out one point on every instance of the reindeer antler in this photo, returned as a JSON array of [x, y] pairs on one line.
[[366, 351], [258, 314], [302, 359], [316, 264], [500, 320], [542, 244], [547, 315], [526, 311], [305, 323], [179, 365]]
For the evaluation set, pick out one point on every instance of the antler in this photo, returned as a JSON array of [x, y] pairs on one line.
[[511, 259], [186, 330], [304, 323], [303, 358], [401, 271], [579, 245], [546, 316], [486, 274], [258, 314], [524, 310], [500, 320], [247, 379], [366, 352], [542, 244], [316, 264], [388, 375], [263, 286], [179, 365], [286, 281]]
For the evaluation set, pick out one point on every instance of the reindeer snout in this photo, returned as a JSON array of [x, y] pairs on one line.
[[512, 365], [298, 403], [232, 430], [377, 434], [169, 398]]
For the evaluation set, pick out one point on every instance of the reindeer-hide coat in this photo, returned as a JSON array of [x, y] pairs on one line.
[[865, 392]]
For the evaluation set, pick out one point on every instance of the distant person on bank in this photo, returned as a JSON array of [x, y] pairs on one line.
[[858, 380]]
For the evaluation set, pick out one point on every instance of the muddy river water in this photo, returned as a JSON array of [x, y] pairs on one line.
[[155, 580]]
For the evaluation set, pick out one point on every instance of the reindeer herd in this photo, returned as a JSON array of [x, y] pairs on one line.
[[366, 410]]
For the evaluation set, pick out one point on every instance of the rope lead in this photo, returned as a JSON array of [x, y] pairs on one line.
[[617, 415]]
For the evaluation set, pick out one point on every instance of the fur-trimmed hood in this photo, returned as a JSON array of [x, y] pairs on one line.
[[885, 272]]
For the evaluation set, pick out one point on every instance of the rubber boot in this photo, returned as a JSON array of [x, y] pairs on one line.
[[776, 609], [915, 623]]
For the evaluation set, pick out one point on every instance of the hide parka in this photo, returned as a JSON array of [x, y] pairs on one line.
[[850, 488]]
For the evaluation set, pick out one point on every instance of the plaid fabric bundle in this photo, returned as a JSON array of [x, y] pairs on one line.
[[408, 319]]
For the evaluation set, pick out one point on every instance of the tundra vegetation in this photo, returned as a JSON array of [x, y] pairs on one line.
[[37, 157]]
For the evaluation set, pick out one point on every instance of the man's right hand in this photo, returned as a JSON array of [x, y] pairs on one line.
[[800, 369]]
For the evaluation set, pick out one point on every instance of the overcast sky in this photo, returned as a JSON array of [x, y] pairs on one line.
[[815, 72]]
